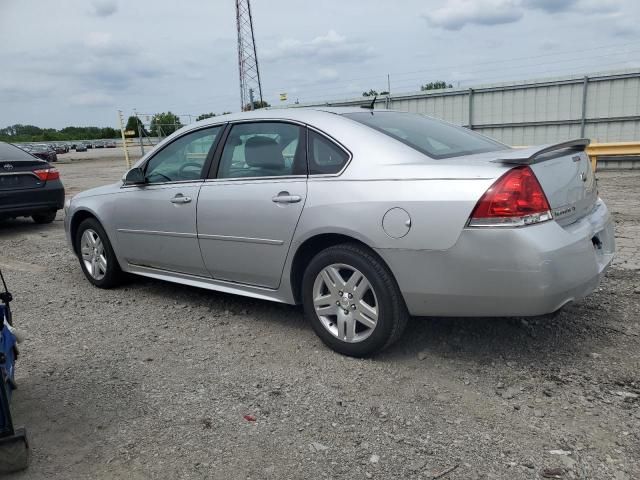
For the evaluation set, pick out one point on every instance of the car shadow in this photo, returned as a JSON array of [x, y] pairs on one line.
[[24, 225], [569, 336], [534, 340]]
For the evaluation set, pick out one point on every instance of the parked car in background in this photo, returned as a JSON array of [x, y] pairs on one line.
[[29, 186], [59, 148], [98, 145], [364, 217], [110, 144], [81, 147], [45, 152], [88, 144]]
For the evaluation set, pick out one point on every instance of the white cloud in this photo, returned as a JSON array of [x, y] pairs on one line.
[[92, 99], [104, 8], [455, 14], [327, 73], [99, 40], [332, 47]]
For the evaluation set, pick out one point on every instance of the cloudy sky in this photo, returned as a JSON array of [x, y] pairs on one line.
[[76, 62]]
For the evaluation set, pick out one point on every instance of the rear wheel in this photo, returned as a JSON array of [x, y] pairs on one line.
[[352, 301], [97, 259], [46, 217]]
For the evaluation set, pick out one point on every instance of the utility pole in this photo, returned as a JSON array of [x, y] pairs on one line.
[[124, 139], [247, 56], [139, 131], [388, 99]]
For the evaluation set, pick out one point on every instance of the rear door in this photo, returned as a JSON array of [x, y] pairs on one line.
[[156, 221], [249, 208]]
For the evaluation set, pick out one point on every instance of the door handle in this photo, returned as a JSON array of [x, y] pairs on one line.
[[284, 197], [179, 198]]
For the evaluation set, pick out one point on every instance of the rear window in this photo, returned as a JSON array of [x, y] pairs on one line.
[[427, 135], [13, 153]]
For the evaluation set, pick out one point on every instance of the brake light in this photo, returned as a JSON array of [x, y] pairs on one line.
[[45, 174], [514, 200]]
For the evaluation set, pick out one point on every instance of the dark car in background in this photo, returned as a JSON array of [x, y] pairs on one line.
[[29, 186], [44, 152], [81, 147], [110, 144], [98, 145], [60, 148]]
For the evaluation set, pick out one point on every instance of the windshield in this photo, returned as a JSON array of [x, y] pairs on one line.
[[427, 135]]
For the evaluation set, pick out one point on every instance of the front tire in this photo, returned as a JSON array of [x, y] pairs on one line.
[[97, 259], [352, 300]]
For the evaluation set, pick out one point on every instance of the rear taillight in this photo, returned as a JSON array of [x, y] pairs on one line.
[[514, 200], [46, 174]]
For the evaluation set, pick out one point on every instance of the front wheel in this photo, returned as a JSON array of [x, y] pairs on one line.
[[352, 300], [97, 259]]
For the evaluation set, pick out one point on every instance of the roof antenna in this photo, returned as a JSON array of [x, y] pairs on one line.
[[371, 105]]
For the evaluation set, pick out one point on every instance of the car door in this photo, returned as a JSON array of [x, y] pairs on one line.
[[156, 221], [249, 208]]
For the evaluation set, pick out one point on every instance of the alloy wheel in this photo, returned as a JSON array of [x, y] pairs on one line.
[[93, 254], [345, 303]]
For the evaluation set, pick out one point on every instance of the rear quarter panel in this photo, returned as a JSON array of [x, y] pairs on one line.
[[439, 209]]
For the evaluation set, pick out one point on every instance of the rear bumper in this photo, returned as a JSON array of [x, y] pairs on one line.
[[507, 272], [33, 200]]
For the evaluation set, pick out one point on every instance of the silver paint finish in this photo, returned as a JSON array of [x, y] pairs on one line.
[[245, 235], [233, 237]]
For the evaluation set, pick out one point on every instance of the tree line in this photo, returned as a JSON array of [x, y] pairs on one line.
[[32, 133], [162, 124], [437, 85]]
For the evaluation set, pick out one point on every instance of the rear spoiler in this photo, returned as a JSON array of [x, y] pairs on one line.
[[529, 155]]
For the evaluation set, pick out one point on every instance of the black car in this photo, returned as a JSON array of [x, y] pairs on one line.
[[44, 152], [60, 148], [29, 186]]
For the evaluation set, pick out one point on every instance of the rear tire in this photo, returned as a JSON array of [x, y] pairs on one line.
[[352, 300], [42, 218], [97, 258]]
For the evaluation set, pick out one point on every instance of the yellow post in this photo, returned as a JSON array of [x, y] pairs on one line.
[[614, 149], [124, 140]]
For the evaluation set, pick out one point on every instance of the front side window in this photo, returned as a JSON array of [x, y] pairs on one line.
[[183, 159], [263, 149], [325, 157], [427, 135]]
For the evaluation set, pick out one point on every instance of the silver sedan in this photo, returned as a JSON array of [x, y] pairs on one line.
[[364, 216]]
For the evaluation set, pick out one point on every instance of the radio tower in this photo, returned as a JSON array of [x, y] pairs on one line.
[[250, 86]]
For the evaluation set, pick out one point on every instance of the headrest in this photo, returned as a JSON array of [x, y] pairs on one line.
[[263, 152]]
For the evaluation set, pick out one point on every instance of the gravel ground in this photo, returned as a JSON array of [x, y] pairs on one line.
[[154, 380]]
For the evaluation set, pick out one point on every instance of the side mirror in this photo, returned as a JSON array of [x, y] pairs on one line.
[[135, 176]]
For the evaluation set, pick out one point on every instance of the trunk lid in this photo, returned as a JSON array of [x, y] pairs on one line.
[[16, 169], [565, 174]]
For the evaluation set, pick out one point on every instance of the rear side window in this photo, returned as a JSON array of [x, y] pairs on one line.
[[325, 157], [427, 135]]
